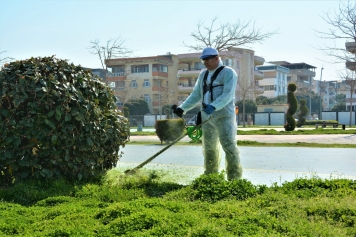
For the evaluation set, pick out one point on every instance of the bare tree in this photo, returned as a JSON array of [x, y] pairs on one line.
[[227, 35], [125, 90], [342, 27], [246, 88], [5, 59], [350, 81], [114, 48]]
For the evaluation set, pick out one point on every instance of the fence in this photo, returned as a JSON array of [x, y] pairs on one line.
[[260, 118]]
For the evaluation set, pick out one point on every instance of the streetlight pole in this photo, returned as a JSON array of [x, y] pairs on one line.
[[310, 87], [321, 100]]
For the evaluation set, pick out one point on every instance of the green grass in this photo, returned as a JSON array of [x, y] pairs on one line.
[[144, 205]]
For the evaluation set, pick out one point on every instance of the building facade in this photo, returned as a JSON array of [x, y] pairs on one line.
[[169, 79], [351, 65], [153, 79], [243, 61], [274, 82]]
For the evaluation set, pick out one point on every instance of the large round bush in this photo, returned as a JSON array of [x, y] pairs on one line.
[[57, 120]]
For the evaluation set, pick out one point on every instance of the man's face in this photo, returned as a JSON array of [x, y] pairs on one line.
[[211, 62]]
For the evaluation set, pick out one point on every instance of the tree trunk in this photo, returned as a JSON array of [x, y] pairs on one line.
[[351, 106], [243, 111]]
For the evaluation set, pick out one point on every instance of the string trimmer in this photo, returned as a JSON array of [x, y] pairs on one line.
[[194, 132]]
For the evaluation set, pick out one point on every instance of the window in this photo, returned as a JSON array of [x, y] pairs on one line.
[[119, 68], [289, 78], [146, 83], [134, 84], [227, 62], [269, 87], [159, 68], [147, 98], [139, 68], [118, 71], [198, 65], [112, 84], [121, 85], [118, 102]]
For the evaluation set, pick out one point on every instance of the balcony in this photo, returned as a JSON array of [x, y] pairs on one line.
[[348, 100], [258, 75], [351, 47], [118, 76], [160, 74], [259, 60], [351, 66], [185, 88], [259, 89], [194, 72]]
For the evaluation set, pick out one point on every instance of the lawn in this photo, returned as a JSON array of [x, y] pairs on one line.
[[143, 205]]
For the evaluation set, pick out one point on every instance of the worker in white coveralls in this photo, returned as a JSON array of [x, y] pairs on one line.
[[215, 89]]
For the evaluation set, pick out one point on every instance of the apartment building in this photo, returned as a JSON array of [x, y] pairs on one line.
[[98, 72], [351, 47], [169, 79], [302, 74], [328, 91], [243, 61], [153, 79], [274, 82]]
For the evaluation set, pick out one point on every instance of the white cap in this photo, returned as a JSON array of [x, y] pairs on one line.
[[207, 52]]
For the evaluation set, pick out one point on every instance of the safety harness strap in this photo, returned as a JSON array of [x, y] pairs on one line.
[[210, 87]]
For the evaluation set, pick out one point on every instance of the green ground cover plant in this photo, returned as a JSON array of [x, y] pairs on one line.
[[144, 205]]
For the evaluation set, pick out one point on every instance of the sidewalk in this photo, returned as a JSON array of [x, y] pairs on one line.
[[324, 139]]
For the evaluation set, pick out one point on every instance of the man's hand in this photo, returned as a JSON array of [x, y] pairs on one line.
[[178, 111], [209, 109]]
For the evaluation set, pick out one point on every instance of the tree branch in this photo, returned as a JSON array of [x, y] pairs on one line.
[[227, 35]]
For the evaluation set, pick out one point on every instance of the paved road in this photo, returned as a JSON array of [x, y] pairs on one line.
[[262, 165], [325, 139]]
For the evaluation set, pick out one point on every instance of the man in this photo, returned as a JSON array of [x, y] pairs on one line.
[[215, 89]]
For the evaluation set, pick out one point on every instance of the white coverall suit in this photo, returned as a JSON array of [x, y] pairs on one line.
[[222, 125]]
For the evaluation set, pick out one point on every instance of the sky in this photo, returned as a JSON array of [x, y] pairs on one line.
[[31, 28]]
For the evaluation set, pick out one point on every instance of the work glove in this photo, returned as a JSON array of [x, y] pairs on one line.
[[209, 109], [178, 111]]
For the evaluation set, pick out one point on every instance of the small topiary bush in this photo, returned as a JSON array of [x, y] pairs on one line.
[[293, 105], [57, 120], [303, 112], [214, 187], [170, 129]]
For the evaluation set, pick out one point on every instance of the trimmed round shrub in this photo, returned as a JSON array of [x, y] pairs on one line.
[[57, 120]]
